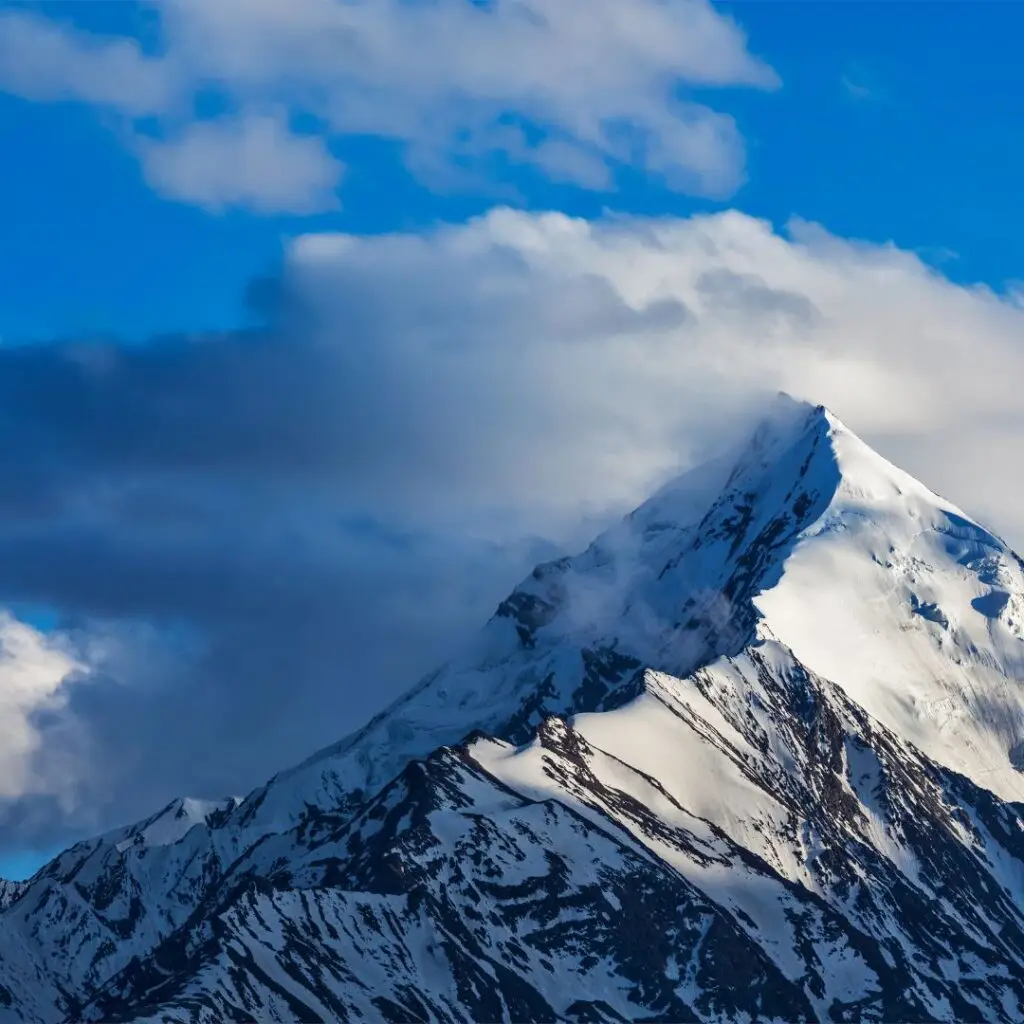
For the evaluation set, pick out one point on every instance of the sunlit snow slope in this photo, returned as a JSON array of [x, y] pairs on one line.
[[915, 610], [752, 755]]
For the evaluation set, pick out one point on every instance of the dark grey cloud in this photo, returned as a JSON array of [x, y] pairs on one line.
[[216, 660], [253, 539]]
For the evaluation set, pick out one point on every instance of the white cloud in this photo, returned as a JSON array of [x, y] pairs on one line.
[[254, 161], [563, 363], [35, 671], [600, 83], [46, 60]]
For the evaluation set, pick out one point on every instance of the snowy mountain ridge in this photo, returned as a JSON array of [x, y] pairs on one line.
[[751, 755]]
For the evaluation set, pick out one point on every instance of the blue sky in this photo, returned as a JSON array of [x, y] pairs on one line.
[[230, 552], [895, 121]]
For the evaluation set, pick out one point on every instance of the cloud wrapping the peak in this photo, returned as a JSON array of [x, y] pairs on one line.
[[573, 89], [256, 539], [623, 337]]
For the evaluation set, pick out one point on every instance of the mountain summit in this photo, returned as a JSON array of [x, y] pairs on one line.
[[750, 756], [807, 537]]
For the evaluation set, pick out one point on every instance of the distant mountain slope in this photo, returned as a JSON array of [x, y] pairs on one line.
[[751, 755]]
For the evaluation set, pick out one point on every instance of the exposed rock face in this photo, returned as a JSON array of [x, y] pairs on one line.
[[754, 755]]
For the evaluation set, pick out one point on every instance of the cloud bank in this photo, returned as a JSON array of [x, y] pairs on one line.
[[255, 539], [573, 89]]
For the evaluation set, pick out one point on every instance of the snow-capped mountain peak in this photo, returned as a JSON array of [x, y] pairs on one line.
[[805, 535], [750, 755], [169, 825]]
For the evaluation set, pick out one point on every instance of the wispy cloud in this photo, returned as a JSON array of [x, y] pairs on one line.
[[599, 84], [46, 60], [863, 83], [254, 161], [855, 89]]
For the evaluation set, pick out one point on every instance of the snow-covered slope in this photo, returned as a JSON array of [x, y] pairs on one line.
[[751, 755], [9, 892], [916, 610], [83, 916]]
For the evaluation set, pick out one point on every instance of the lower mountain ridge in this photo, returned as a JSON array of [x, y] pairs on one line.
[[755, 754]]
